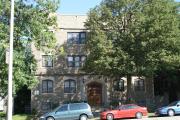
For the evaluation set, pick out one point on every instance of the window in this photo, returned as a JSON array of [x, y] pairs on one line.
[[78, 106], [76, 37], [69, 86], [47, 61], [119, 85], [74, 107], [76, 60], [47, 86], [83, 106], [139, 85], [63, 108], [46, 106], [127, 107]]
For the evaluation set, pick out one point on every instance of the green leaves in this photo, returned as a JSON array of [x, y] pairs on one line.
[[31, 26], [133, 37]]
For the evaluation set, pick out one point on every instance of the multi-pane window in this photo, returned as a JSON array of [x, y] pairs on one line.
[[76, 37], [47, 61], [76, 60], [69, 86], [46, 106], [47, 86], [119, 85], [139, 85]]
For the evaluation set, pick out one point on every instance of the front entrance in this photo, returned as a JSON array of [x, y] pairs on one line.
[[94, 94]]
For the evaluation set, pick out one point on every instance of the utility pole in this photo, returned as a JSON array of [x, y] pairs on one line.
[[10, 74]]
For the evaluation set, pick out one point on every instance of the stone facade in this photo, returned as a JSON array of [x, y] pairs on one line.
[[61, 79]]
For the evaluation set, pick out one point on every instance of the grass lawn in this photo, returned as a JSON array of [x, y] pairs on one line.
[[151, 114], [22, 117]]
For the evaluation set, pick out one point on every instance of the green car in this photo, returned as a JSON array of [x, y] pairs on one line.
[[72, 111]]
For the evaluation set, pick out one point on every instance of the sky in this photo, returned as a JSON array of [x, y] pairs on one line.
[[78, 6]]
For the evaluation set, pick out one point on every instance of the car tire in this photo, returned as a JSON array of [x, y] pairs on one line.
[[139, 115], [109, 116], [83, 117], [171, 112], [50, 118]]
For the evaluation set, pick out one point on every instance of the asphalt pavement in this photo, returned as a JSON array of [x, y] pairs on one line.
[[150, 118]]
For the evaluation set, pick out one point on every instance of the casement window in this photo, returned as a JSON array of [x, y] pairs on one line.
[[47, 61], [69, 86], [76, 60], [139, 85], [47, 86], [46, 106], [119, 85], [76, 37]]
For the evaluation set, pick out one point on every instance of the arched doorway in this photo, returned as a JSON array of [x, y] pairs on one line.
[[94, 94]]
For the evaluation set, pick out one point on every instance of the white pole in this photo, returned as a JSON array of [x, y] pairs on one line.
[[10, 76]]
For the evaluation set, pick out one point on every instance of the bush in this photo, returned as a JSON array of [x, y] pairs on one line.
[[2, 114]]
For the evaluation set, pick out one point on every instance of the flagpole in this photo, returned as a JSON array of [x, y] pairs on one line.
[[10, 74]]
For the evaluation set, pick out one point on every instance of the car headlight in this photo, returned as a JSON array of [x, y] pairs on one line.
[[42, 117]]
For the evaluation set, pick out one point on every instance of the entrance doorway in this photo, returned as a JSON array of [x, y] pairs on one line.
[[94, 94], [22, 101]]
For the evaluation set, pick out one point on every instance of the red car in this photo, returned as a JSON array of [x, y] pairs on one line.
[[124, 111]]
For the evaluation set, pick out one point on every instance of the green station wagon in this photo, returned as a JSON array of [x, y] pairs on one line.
[[72, 111]]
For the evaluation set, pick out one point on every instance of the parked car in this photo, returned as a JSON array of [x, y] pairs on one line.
[[171, 110], [124, 111], [72, 111]]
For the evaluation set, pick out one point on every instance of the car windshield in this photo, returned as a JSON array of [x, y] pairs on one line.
[[55, 109], [173, 103]]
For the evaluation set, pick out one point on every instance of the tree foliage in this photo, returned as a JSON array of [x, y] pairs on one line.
[[133, 37], [33, 19]]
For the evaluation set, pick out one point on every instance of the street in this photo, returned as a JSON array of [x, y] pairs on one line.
[[159, 118], [152, 118]]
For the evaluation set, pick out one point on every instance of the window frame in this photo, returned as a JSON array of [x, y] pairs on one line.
[[69, 89], [73, 62], [47, 82], [79, 39], [44, 60]]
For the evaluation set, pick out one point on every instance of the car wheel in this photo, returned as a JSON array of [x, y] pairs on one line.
[[109, 116], [83, 117], [139, 115], [171, 112], [50, 118]]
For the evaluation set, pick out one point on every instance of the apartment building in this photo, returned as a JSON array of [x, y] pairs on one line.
[[62, 80]]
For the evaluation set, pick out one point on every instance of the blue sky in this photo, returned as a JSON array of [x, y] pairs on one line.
[[78, 6]]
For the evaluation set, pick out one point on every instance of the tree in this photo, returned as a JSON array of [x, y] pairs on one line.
[[33, 20], [133, 37]]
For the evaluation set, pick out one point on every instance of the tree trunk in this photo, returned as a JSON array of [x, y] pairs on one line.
[[129, 87]]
